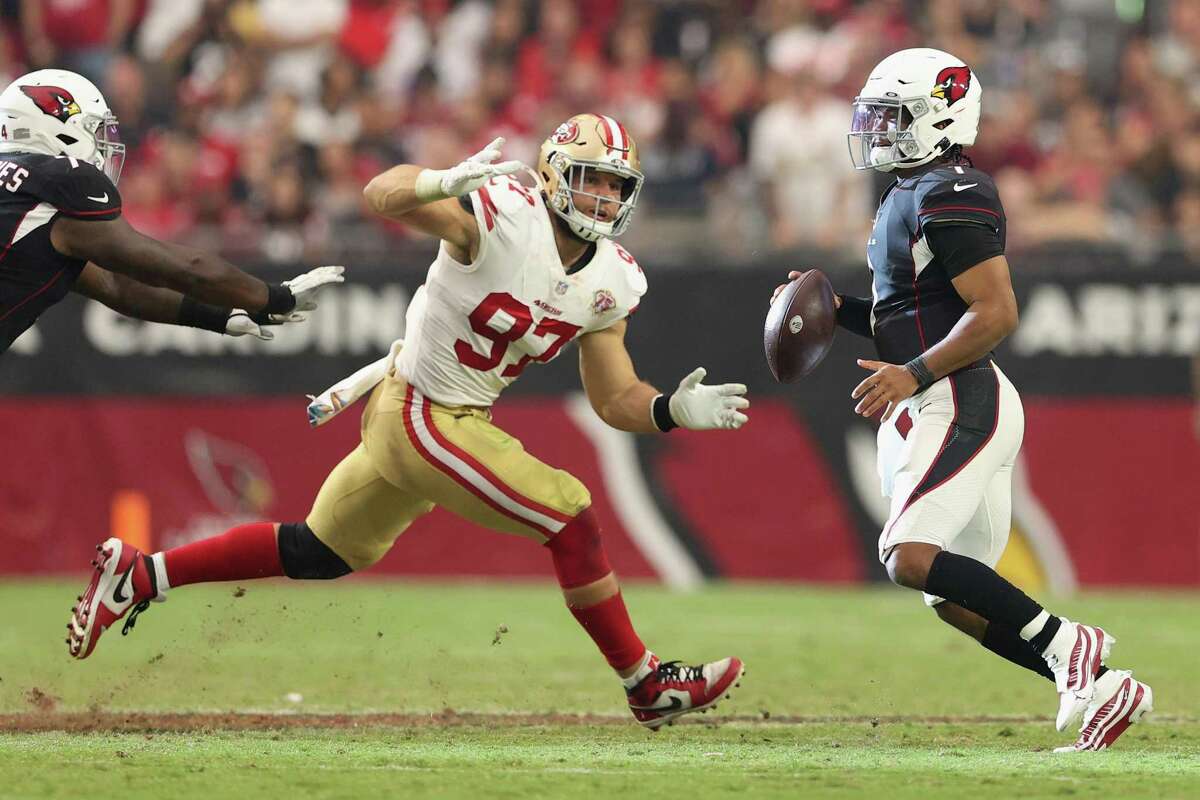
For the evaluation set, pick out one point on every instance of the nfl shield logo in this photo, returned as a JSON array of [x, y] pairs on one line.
[[561, 287]]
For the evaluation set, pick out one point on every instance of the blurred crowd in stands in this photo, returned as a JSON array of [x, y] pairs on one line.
[[254, 124]]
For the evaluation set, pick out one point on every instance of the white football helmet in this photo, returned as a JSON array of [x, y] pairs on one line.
[[915, 105], [57, 112]]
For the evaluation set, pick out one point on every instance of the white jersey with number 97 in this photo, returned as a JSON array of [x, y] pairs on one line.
[[473, 328]]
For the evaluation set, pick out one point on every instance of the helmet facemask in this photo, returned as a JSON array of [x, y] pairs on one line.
[[883, 133], [110, 150], [573, 176]]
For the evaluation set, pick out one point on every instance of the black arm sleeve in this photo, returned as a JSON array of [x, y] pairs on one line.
[[958, 246], [855, 315]]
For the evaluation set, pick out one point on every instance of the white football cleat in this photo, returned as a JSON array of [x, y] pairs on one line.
[[1075, 655], [1119, 702]]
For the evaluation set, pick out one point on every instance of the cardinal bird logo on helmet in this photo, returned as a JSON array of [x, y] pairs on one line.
[[53, 100], [952, 84]]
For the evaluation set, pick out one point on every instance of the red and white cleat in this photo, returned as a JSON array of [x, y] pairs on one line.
[[120, 581], [1120, 701], [672, 690], [1075, 656]]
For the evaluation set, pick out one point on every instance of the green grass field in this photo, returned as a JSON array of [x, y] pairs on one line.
[[409, 689]]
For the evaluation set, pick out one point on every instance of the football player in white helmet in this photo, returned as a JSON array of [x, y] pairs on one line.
[[941, 302], [60, 158], [522, 271]]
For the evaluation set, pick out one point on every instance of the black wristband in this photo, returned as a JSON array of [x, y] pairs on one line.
[[195, 314], [920, 371], [660, 413], [280, 299]]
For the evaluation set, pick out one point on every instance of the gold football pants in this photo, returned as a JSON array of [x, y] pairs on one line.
[[416, 454]]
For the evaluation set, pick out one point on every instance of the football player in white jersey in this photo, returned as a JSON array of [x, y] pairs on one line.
[[520, 272]]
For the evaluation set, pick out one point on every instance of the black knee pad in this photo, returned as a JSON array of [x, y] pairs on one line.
[[305, 557]]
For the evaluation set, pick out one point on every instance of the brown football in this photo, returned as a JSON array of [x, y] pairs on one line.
[[799, 327]]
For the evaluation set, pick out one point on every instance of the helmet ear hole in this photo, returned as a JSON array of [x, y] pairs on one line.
[[67, 140]]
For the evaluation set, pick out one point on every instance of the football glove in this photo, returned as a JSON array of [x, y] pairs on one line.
[[700, 407], [304, 290], [241, 323], [436, 184], [305, 286]]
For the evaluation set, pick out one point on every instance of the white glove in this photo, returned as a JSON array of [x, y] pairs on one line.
[[239, 323], [436, 184], [700, 407], [304, 287]]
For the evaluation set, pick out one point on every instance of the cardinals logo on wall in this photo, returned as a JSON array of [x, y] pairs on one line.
[[952, 84], [53, 100]]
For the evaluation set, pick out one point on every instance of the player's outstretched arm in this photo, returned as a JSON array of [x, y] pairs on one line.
[[628, 403], [154, 304], [424, 198]]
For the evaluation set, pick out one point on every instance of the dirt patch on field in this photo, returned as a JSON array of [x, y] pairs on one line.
[[40, 700], [138, 722]]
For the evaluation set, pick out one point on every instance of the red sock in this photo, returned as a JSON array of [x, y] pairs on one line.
[[608, 624], [241, 553]]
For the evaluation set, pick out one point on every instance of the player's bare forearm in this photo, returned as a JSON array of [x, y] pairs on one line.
[[393, 195], [613, 388], [128, 296], [118, 248], [991, 316], [984, 326], [630, 409]]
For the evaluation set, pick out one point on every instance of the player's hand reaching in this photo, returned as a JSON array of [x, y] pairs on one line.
[[886, 388], [837, 298], [700, 407], [303, 289], [240, 323], [305, 286], [472, 173]]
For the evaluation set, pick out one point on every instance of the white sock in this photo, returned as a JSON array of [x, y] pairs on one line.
[[160, 575], [640, 673], [1035, 625]]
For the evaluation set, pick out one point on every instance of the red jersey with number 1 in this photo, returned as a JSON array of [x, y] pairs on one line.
[[473, 328]]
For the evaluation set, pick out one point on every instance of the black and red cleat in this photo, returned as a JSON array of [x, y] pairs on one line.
[[672, 690], [121, 580]]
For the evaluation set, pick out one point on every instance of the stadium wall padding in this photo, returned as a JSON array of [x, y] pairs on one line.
[[178, 434]]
